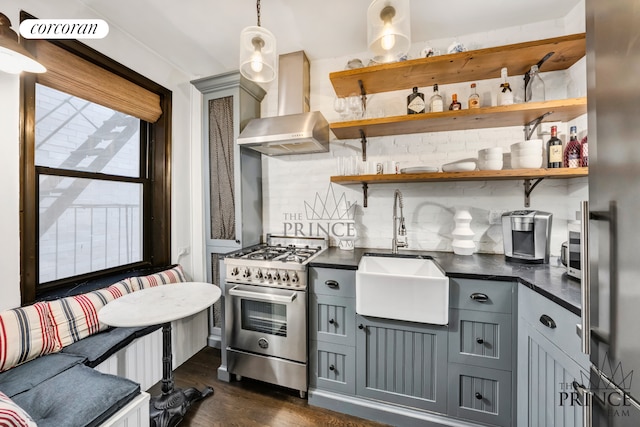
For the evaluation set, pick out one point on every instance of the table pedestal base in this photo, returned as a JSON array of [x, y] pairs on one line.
[[168, 409]]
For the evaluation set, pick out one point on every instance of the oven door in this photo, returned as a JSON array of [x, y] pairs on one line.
[[267, 321]]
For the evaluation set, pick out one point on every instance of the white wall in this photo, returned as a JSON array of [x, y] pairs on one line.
[[122, 48], [290, 181]]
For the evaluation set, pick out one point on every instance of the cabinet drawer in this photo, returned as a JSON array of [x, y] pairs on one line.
[[482, 295], [332, 367], [480, 394], [553, 321], [333, 281], [332, 319], [480, 338]]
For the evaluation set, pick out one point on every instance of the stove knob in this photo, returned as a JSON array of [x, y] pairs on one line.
[[276, 277], [234, 271], [294, 278], [246, 273], [258, 274], [269, 276], [285, 276]]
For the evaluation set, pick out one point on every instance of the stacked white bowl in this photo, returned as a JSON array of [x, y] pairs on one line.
[[527, 154], [490, 159]]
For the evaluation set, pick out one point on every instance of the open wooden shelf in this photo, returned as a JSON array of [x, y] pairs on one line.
[[460, 67], [507, 174], [488, 117]]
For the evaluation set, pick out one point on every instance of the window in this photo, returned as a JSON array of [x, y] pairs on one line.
[[95, 188]]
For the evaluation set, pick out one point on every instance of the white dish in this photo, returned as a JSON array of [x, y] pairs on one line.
[[419, 169], [496, 156], [530, 162], [459, 167], [490, 165], [492, 150]]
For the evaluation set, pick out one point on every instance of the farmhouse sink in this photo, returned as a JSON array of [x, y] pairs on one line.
[[402, 288]]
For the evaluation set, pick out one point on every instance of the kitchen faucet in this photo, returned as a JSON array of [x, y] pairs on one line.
[[399, 230]]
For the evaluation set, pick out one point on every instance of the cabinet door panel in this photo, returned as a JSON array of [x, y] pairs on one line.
[[402, 362], [331, 319], [332, 367], [333, 281], [480, 338], [470, 294]]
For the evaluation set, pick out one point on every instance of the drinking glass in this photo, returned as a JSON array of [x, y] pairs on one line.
[[340, 105], [354, 102]]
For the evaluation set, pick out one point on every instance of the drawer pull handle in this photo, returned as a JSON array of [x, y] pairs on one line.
[[332, 284], [478, 396], [547, 321], [478, 297], [332, 321], [360, 326], [332, 368], [479, 340]]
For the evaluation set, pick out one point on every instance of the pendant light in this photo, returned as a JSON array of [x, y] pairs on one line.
[[14, 58], [388, 29], [258, 52]]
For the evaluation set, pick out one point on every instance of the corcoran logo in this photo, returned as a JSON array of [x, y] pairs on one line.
[[328, 216], [616, 400], [64, 29]]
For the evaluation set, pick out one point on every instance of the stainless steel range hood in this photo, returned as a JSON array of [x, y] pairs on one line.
[[295, 130]]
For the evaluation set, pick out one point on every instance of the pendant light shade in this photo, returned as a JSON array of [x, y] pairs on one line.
[[388, 29], [258, 53], [13, 57]]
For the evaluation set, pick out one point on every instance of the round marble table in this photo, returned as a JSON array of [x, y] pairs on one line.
[[162, 305]]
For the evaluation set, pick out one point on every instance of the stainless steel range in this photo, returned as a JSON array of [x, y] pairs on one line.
[[266, 310]]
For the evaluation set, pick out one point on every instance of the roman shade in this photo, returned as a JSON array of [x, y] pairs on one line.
[[76, 76]]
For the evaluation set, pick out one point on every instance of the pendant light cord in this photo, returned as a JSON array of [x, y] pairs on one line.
[[258, 11]]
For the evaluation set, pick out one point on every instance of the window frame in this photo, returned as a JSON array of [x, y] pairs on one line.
[[156, 205]]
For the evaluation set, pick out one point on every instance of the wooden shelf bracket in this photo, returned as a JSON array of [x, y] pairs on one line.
[[365, 194], [528, 188], [530, 128]]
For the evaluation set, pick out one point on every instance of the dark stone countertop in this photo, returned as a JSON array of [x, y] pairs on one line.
[[549, 280]]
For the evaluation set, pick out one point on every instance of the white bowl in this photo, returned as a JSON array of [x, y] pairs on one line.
[[490, 165], [530, 162], [459, 167], [492, 150], [515, 162], [523, 152], [532, 143], [496, 156]]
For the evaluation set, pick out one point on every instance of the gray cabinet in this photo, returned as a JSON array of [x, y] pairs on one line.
[[549, 361], [402, 362], [482, 348]]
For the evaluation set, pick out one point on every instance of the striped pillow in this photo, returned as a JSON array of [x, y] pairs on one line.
[[76, 317], [11, 415], [25, 333], [173, 275], [121, 288]]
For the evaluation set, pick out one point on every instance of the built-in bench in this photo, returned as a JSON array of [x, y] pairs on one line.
[[63, 367]]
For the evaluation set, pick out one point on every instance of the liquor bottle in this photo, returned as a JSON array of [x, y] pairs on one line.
[[584, 152], [554, 149], [505, 96], [474, 98], [436, 104], [415, 102], [455, 105], [572, 150], [535, 87]]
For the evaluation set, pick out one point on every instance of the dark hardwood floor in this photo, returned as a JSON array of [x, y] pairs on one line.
[[248, 402]]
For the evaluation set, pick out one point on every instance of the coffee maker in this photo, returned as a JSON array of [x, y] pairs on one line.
[[526, 236]]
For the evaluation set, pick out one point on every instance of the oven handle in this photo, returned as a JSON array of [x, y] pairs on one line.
[[262, 296]]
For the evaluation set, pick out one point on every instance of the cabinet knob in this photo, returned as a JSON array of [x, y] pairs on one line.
[[478, 396], [479, 340], [332, 284], [332, 368], [479, 297], [547, 321], [360, 326], [332, 321]]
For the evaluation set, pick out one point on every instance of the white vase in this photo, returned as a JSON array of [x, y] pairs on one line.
[[462, 234]]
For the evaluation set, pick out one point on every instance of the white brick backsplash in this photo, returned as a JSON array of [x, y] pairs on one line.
[[429, 208]]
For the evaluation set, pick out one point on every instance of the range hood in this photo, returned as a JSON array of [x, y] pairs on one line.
[[294, 130]]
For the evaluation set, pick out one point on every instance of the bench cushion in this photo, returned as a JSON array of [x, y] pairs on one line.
[[98, 348], [28, 375], [96, 397], [25, 333], [173, 275], [13, 415]]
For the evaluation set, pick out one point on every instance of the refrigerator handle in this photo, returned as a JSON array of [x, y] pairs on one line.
[[585, 289]]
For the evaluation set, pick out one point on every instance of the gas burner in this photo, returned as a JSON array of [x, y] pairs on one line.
[[266, 254]]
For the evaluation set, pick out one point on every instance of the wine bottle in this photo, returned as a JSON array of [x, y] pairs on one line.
[[584, 152], [554, 149], [455, 105], [415, 102], [572, 150], [474, 98], [436, 104]]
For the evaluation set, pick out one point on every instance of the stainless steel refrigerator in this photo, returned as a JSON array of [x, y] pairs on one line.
[[611, 218]]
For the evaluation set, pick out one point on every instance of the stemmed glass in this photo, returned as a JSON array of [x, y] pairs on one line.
[[340, 105], [354, 102]]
